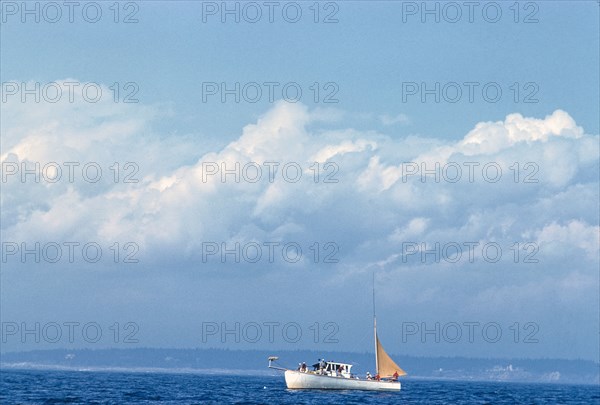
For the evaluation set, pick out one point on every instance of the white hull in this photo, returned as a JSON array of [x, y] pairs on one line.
[[299, 380]]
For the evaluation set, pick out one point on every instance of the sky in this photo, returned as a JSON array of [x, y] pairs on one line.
[[233, 175]]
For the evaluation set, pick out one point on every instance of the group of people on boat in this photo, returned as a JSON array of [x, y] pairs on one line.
[[317, 367], [321, 365], [377, 377], [321, 368]]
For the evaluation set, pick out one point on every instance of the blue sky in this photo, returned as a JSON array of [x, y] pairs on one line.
[[369, 61], [375, 215]]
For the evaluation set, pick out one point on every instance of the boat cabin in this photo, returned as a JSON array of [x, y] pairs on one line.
[[338, 369]]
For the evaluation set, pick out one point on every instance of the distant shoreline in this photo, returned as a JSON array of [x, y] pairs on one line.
[[4, 367], [157, 370], [248, 363]]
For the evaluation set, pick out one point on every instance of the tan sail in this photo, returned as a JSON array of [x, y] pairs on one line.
[[386, 367]]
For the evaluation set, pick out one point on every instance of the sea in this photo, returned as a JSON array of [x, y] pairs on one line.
[[109, 387]]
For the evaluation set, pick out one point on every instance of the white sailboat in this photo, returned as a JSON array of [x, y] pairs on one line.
[[332, 375]]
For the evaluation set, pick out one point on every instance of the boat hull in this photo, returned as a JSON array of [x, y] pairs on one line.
[[299, 380]]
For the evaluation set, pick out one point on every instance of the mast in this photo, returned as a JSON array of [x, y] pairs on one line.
[[375, 328]]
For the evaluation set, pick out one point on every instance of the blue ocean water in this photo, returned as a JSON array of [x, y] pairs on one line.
[[84, 387]]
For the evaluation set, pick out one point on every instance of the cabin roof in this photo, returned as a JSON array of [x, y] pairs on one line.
[[339, 364]]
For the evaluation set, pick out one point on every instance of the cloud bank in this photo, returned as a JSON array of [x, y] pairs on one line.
[[526, 185]]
